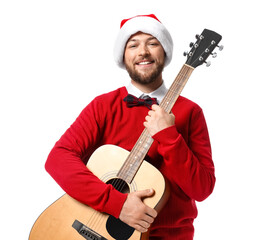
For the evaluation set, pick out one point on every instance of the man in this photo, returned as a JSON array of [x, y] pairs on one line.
[[181, 148]]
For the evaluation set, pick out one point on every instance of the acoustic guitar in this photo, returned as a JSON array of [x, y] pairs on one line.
[[68, 219]]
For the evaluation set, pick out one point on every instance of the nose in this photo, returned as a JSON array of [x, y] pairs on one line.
[[143, 50]]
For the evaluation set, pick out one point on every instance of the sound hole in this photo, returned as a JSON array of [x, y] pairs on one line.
[[119, 185], [115, 227], [118, 229]]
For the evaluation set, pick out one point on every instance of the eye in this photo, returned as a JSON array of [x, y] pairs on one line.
[[131, 46], [153, 43]]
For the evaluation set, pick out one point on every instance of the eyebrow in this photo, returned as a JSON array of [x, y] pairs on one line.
[[134, 39]]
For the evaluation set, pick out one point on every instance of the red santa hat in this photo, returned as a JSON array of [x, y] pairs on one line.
[[149, 24]]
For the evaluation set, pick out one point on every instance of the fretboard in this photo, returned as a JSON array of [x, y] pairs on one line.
[[139, 151]]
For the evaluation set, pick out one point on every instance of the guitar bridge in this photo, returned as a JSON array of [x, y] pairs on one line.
[[86, 232]]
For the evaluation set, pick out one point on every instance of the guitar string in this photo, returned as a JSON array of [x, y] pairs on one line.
[[98, 222], [120, 184], [134, 154], [175, 89], [172, 94], [95, 219]]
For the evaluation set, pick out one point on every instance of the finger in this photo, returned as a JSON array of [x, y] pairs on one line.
[[145, 193], [140, 228], [155, 107], [148, 219], [172, 115], [151, 112], [144, 224], [151, 212]]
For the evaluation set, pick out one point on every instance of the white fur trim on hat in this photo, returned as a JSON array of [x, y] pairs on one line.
[[146, 24]]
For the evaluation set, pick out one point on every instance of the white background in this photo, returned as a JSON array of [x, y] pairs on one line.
[[56, 56]]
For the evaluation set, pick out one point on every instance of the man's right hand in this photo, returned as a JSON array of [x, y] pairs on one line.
[[137, 214]]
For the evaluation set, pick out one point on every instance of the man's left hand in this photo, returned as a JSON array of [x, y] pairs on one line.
[[157, 120]]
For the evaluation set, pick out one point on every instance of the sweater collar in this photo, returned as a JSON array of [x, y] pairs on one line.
[[159, 93]]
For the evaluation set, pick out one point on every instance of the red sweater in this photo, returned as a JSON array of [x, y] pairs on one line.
[[182, 153]]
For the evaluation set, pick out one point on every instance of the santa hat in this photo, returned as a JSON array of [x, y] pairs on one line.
[[149, 24]]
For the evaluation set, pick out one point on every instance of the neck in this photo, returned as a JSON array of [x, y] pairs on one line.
[[149, 87]]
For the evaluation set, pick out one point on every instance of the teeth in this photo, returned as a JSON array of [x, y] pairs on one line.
[[144, 63]]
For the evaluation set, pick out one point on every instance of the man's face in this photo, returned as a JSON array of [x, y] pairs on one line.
[[144, 58]]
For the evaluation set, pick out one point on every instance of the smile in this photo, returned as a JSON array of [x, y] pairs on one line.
[[145, 63]]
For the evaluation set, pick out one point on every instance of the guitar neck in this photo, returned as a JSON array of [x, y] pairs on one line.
[[139, 151], [176, 88]]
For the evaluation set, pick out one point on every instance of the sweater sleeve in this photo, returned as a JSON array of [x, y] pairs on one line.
[[66, 163], [189, 164]]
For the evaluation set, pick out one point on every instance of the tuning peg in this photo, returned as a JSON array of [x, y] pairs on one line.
[[185, 53], [214, 55], [191, 44], [199, 37], [208, 64], [221, 47]]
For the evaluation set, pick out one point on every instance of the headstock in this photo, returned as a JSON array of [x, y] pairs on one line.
[[202, 48]]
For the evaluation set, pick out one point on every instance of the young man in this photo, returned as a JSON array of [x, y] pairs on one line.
[[181, 148]]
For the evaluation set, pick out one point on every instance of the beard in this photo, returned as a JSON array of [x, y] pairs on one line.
[[147, 77]]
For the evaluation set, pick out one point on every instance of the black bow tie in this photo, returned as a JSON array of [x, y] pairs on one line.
[[133, 101]]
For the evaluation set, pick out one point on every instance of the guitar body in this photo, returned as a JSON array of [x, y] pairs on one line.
[[68, 219]]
